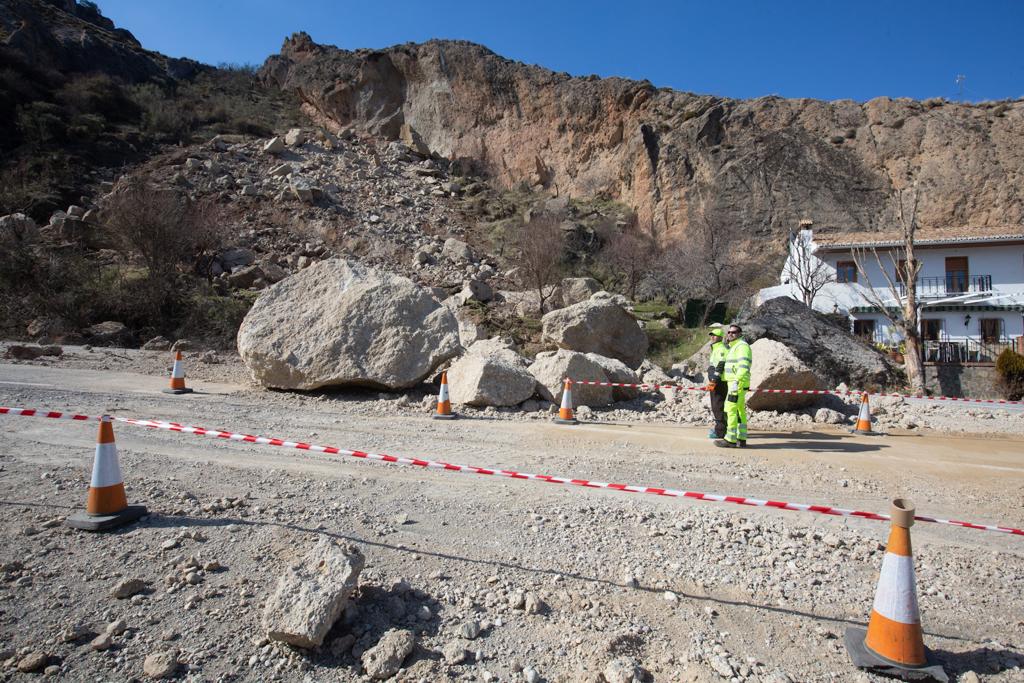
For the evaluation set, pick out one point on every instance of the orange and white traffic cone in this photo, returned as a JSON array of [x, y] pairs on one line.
[[107, 505], [444, 403], [178, 377], [863, 425], [565, 414], [893, 643]]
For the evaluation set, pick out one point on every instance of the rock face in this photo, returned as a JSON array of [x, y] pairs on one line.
[[835, 355], [489, 376], [600, 327], [838, 162], [775, 367], [552, 367], [312, 594], [342, 323]]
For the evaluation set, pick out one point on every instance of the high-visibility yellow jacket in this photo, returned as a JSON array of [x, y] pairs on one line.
[[737, 365], [716, 364]]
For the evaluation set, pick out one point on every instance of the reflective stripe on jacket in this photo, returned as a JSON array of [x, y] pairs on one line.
[[737, 364], [718, 351]]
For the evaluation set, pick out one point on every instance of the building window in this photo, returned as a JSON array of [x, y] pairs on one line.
[[991, 330], [846, 271], [931, 330], [865, 329], [956, 274]]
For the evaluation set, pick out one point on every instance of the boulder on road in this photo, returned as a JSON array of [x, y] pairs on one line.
[[490, 375], [550, 368], [776, 367], [620, 373], [343, 323]]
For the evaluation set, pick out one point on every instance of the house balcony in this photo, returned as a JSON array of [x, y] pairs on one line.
[[952, 284]]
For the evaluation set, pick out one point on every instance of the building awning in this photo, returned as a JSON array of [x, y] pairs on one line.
[[931, 309]]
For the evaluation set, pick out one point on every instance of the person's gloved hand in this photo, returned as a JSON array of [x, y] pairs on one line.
[[711, 385]]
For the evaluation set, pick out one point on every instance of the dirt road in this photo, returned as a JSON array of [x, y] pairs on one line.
[[687, 589]]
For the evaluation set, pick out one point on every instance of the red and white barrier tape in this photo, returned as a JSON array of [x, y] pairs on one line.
[[676, 387], [511, 474]]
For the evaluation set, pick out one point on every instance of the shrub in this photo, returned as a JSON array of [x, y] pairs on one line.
[[1010, 370]]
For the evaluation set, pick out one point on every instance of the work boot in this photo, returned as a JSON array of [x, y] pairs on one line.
[[743, 443], [722, 443]]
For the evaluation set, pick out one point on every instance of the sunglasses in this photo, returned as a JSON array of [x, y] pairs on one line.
[[733, 332]]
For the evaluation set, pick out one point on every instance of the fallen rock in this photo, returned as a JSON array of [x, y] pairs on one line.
[[312, 594], [775, 367], [577, 289], [490, 377], [108, 332], [161, 664], [550, 368], [454, 653], [128, 588], [597, 326], [344, 323], [17, 230], [620, 373], [458, 251], [20, 352], [624, 670], [295, 137], [384, 659], [833, 353], [274, 146], [34, 661]]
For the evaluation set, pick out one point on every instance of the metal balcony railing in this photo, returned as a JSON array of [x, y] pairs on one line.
[[965, 351], [951, 284]]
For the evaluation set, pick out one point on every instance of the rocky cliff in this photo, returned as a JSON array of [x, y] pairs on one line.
[[762, 164]]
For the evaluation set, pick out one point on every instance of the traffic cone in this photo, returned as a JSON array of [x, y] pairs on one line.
[[565, 415], [893, 643], [444, 404], [107, 505], [178, 377], [864, 419]]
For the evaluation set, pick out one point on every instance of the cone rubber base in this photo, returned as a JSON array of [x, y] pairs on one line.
[[87, 522], [450, 416], [561, 421], [177, 391], [864, 658], [866, 433]]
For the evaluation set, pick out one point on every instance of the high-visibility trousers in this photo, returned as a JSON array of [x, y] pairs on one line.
[[736, 416]]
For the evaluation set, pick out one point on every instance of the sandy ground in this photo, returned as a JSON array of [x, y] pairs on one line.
[[684, 590]]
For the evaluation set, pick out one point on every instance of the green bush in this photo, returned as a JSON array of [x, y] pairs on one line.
[[1010, 369]]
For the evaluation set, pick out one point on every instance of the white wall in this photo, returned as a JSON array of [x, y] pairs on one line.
[[1004, 263]]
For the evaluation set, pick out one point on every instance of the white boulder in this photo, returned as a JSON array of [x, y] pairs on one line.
[[550, 368], [597, 326], [774, 366]]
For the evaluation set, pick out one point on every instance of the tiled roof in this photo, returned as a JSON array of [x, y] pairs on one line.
[[966, 235]]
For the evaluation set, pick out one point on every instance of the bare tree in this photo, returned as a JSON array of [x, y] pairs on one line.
[[540, 245], [629, 254], [901, 287], [166, 229], [716, 259], [805, 270]]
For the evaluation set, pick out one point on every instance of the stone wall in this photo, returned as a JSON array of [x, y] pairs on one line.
[[965, 381]]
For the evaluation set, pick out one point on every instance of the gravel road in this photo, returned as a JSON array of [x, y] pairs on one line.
[[563, 583]]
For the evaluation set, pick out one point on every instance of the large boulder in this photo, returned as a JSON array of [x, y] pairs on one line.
[[343, 323], [833, 353], [620, 373], [490, 374], [550, 368], [17, 230], [312, 594], [597, 326], [775, 367], [577, 289]]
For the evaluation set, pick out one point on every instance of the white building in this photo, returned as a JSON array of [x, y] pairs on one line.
[[970, 288]]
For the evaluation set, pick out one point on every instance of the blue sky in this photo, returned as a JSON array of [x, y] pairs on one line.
[[825, 49]]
